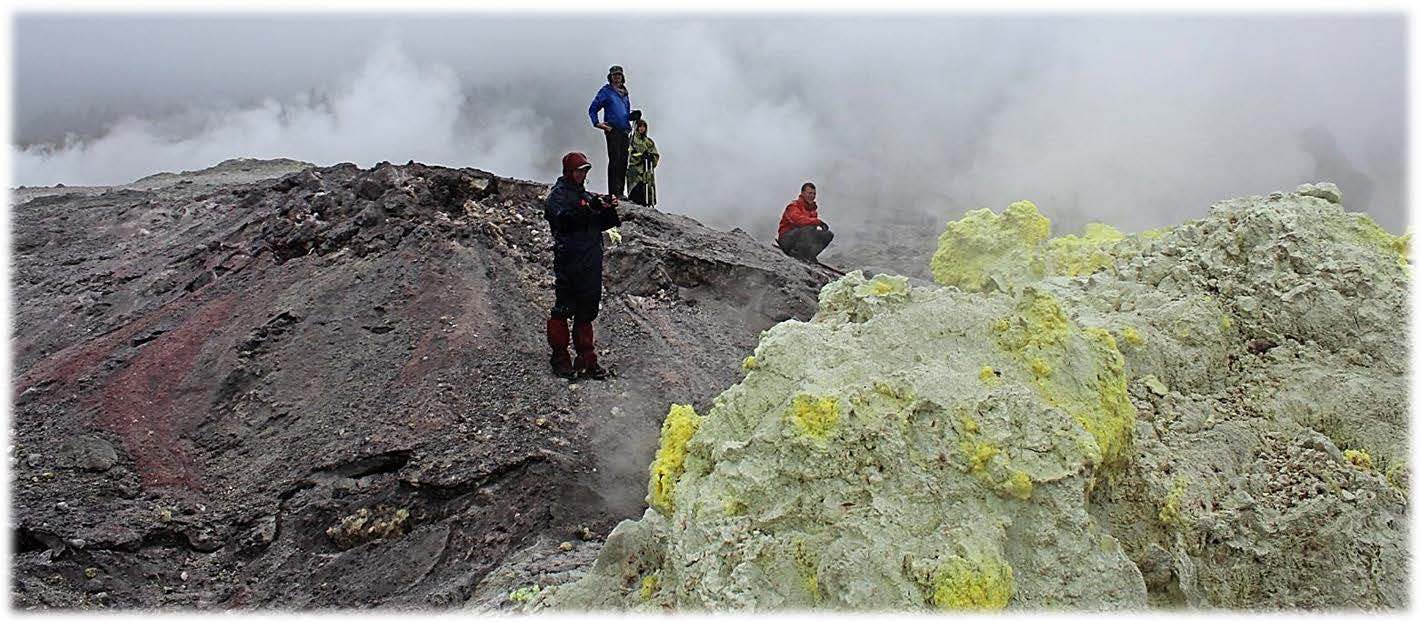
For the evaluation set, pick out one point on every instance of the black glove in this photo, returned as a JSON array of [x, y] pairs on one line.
[[635, 116]]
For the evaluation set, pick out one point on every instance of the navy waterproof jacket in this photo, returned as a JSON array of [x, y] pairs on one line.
[[577, 220], [618, 108]]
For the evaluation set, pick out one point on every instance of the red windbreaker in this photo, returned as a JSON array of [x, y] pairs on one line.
[[799, 214]]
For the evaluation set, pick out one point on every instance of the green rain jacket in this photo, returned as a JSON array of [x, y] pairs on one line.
[[642, 153]]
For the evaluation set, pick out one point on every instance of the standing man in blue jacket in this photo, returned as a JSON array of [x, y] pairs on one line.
[[617, 121]]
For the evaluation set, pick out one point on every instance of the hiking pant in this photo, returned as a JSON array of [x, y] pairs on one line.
[[577, 293], [806, 243], [618, 142], [638, 194]]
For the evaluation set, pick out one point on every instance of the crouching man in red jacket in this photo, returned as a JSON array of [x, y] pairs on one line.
[[802, 235]]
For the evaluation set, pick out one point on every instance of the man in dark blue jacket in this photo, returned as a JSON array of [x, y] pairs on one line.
[[617, 125], [577, 219]]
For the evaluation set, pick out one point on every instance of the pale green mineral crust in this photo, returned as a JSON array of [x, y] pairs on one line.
[[1208, 415], [864, 464]]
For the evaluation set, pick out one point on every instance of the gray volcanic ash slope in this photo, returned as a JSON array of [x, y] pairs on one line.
[[330, 389]]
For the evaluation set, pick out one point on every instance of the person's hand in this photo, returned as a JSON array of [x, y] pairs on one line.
[[604, 127], [611, 201]]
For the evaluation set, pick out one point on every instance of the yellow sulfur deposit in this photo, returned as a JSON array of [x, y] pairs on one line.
[[1038, 324], [989, 464], [1042, 338], [1360, 458], [1169, 513], [883, 286], [676, 432], [1131, 335], [988, 376], [973, 585], [814, 417], [649, 586], [984, 251], [1365, 230], [1082, 255], [1018, 485], [806, 562]]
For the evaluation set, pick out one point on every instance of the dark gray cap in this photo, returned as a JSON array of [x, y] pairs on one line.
[[615, 69]]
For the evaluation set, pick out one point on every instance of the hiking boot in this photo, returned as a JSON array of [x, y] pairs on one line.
[[583, 342], [558, 340], [594, 371], [562, 366]]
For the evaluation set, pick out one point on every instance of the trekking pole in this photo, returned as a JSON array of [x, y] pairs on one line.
[[650, 181]]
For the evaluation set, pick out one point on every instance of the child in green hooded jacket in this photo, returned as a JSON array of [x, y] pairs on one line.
[[641, 166]]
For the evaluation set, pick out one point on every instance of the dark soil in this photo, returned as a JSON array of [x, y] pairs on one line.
[[331, 389]]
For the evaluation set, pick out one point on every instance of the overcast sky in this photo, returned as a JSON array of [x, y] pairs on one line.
[[1137, 121]]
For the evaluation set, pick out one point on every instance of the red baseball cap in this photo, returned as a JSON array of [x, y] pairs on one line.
[[573, 161]]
